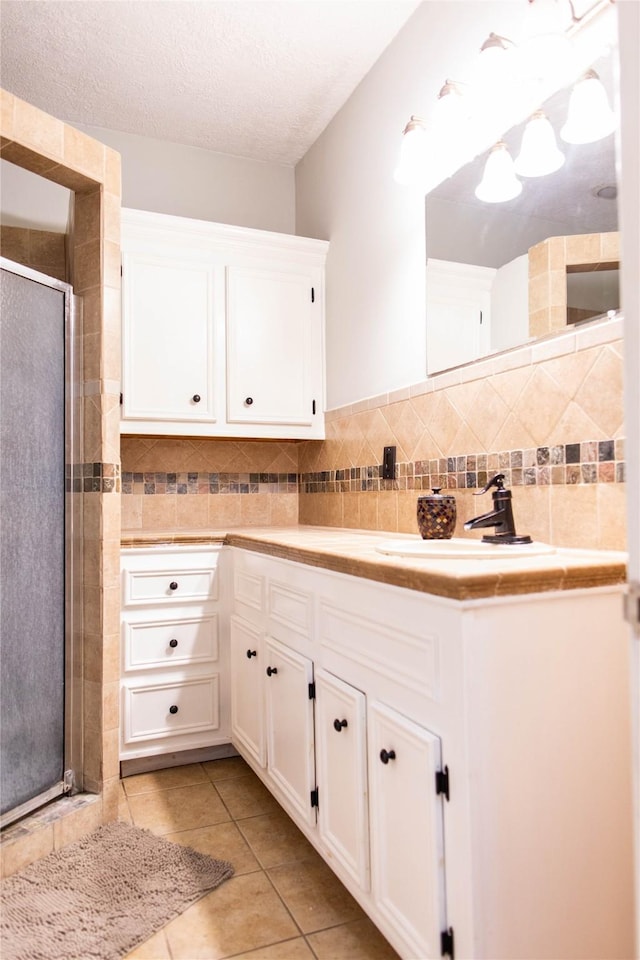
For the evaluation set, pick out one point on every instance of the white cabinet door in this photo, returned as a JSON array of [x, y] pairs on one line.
[[273, 323], [341, 754], [168, 345], [407, 848], [290, 740], [247, 685]]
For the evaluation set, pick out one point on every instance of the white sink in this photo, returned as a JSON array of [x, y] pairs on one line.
[[457, 548]]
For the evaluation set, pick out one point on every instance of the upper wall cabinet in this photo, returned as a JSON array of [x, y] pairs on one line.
[[222, 330]]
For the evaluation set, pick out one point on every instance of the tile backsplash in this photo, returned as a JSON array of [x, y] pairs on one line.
[[548, 416]]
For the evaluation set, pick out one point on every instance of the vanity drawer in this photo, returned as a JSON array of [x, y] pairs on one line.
[[169, 709], [175, 579], [151, 644]]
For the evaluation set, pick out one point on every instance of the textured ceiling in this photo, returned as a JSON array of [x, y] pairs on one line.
[[252, 78]]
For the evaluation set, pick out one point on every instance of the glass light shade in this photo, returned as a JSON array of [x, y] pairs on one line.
[[589, 117], [539, 153], [547, 54], [499, 182], [411, 168], [495, 62], [451, 106]]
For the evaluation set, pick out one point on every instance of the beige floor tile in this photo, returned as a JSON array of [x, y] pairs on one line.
[[288, 950], [246, 797], [242, 914], [183, 808], [155, 948], [275, 839], [314, 895], [226, 769], [224, 841], [359, 940], [164, 779]]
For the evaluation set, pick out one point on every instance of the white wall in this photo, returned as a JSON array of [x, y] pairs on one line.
[[191, 182], [27, 200], [345, 193], [510, 304]]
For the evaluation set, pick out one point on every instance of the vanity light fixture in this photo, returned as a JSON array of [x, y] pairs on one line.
[[589, 117], [413, 153], [499, 182], [539, 153]]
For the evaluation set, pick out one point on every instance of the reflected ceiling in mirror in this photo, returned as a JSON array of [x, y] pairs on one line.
[[579, 198]]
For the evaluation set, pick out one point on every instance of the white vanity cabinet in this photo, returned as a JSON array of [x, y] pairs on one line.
[[458, 756], [222, 330], [174, 672]]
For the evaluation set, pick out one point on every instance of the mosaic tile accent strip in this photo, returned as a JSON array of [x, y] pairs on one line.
[[598, 461], [211, 483], [93, 478]]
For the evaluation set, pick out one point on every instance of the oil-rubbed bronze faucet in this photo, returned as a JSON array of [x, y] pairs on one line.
[[501, 517]]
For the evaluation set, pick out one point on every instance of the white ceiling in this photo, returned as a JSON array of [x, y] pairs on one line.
[[252, 78]]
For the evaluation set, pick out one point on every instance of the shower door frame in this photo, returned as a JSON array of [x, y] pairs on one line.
[[73, 539]]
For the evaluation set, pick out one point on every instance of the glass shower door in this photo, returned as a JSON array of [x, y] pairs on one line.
[[32, 540]]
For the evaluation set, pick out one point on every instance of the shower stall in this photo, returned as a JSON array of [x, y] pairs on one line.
[[40, 542]]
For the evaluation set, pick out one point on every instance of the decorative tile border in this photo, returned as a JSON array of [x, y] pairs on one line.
[[93, 478], [210, 483], [571, 463]]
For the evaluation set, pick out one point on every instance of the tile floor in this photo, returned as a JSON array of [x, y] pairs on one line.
[[283, 902]]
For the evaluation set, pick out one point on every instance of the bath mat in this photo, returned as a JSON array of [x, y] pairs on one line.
[[101, 896]]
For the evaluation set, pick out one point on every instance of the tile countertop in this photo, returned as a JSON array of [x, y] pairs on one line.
[[353, 552]]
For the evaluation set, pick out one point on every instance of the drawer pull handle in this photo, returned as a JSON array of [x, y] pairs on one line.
[[271, 670], [196, 398], [173, 643], [339, 724], [173, 709], [173, 585], [248, 401], [386, 755], [252, 653]]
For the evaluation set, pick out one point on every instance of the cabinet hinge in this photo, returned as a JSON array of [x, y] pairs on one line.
[[446, 943], [313, 407], [314, 797], [632, 605], [120, 269], [481, 318], [313, 295], [312, 691], [442, 781], [121, 399]]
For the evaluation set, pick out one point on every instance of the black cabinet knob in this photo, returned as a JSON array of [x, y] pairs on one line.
[[248, 401], [386, 755], [173, 709], [339, 724], [196, 398], [173, 643], [173, 585], [251, 653], [271, 670]]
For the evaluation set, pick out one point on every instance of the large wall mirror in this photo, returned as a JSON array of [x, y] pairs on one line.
[[482, 292]]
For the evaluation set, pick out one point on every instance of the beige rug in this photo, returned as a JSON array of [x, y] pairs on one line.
[[101, 896]]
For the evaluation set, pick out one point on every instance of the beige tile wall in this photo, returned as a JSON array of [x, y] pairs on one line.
[[571, 398], [41, 250], [144, 455], [44, 145]]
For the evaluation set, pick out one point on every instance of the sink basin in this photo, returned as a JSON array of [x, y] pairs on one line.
[[458, 548]]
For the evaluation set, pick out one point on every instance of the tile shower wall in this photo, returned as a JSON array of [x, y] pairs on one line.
[[41, 250], [550, 417], [170, 484]]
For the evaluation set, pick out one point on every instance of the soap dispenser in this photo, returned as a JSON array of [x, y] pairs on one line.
[[436, 515]]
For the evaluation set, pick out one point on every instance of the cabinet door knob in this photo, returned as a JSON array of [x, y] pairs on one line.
[[173, 709], [173, 585], [271, 670], [386, 755], [196, 398], [252, 653], [173, 643], [248, 401], [339, 724]]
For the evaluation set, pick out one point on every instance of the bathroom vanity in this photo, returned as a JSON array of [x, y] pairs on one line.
[[452, 736]]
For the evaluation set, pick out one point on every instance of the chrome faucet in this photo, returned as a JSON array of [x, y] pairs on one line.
[[501, 517]]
